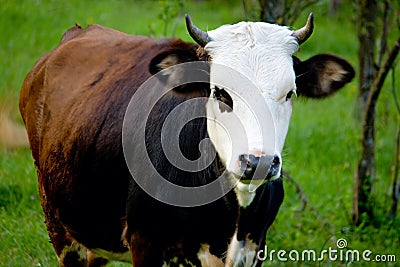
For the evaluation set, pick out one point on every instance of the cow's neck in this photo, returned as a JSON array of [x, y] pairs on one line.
[[187, 121]]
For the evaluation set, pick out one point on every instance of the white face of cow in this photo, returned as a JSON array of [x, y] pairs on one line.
[[261, 79]]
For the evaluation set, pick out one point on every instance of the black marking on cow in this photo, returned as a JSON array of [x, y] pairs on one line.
[[224, 99], [264, 207]]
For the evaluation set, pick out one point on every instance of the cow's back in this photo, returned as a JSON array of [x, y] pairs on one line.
[[79, 80]]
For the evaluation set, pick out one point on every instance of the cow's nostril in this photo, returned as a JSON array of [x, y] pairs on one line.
[[269, 166], [248, 164], [244, 163], [275, 167], [276, 161]]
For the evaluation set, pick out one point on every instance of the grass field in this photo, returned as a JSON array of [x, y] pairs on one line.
[[321, 152]]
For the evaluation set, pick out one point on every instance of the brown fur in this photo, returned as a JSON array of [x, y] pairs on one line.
[[73, 103]]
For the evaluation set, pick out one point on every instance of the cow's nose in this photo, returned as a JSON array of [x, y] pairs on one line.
[[268, 166], [275, 168]]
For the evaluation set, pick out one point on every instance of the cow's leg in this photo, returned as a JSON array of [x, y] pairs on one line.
[[73, 254], [144, 253], [70, 253], [207, 259], [95, 261], [77, 255]]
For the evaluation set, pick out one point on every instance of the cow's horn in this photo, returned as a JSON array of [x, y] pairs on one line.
[[304, 33], [198, 35]]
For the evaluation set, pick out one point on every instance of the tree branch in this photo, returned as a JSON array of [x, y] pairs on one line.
[[364, 175], [296, 8], [378, 83], [383, 44]]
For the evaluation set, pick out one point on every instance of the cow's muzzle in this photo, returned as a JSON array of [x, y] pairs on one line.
[[261, 167]]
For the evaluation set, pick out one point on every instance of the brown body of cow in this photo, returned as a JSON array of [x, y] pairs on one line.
[[73, 104]]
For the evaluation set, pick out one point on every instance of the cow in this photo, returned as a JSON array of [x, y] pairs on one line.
[[76, 104]]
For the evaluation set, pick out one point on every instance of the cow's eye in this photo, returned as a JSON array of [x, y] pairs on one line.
[[217, 93], [290, 94], [223, 96]]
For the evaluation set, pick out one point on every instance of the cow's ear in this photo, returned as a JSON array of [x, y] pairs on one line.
[[170, 58], [322, 75], [180, 77]]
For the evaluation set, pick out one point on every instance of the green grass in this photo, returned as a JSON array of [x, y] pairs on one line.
[[321, 152]]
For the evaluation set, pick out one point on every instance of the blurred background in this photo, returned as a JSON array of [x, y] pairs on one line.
[[340, 181]]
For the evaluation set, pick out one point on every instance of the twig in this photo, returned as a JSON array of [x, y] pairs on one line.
[[306, 203]]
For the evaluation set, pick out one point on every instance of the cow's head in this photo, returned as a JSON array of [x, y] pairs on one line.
[[253, 77], [262, 55]]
